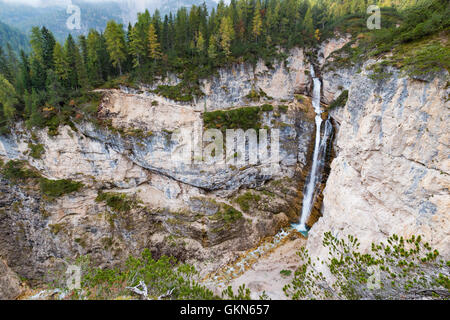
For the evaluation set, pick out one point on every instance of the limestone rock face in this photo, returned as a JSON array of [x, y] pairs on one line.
[[195, 211], [281, 81], [391, 173], [9, 283]]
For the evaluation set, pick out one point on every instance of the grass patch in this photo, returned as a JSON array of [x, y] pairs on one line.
[[182, 92], [242, 118], [340, 101], [36, 150], [15, 171], [228, 214], [285, 273], [266, 108], [57, 188], [283, 108], [116, 201], [247, 199]]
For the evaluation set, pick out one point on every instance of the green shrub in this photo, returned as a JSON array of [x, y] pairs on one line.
[[55, 228], [182, 92], [267, 107], [242, 118], [247, 199], [341, 101], [396, 269], [58, 188], [230, 214], [15, 171], [36, 150], [119, 202], [283, 108], [285, 273], [163, 277]]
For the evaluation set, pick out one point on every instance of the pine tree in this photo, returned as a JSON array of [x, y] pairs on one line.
[[154, 46], [137, 47], [115, 43], [61, 64], [24, 77], [257, 21], [212, 51], [70, 54], [93, 63], [48, 44], [37, 73], [308, 22], [200, 42], [8, 99], [226, 35]]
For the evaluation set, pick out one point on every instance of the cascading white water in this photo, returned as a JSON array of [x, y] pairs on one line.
[[320, 148]]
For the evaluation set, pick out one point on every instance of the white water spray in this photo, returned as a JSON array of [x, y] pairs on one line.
[[320, 148]]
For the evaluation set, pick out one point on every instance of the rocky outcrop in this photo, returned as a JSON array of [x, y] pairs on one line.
[[194, 211], [10, 287], [391, 172], [279, 81]]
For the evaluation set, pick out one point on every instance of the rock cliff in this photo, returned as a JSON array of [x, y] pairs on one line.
[[391, 172], [136, 195]]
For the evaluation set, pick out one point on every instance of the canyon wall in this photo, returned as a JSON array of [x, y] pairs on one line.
[[391, 172], [194, 211]]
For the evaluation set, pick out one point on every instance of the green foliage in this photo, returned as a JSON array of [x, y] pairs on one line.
[[414, 34], [193, 44], [430, 58], [266, 108], [256, 96], [57, 188], [340, 101], [247, 199], [182, 92], [15, 171], [55, 228], [228, 214], [398, 269], [163, 277], [116, 201], [36, 150], [283, 108], [242, 294], [286, 273], [242, 118]]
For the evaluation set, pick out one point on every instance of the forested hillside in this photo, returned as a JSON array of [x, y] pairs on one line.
[[9, 35], [44, 86]]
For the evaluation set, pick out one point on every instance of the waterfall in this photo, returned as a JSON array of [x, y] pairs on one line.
[[320, 149]]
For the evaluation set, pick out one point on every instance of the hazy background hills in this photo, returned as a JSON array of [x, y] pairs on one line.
[[21, 15]]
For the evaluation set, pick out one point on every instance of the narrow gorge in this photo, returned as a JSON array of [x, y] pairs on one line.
[[242, 168]]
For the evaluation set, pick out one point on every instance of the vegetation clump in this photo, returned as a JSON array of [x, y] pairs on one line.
[[397, 269], [36, 150], [15, 171], [242, 118], [247, 199], [340, 101], [57, 188], [182, 92], [141, 277], [118, 202], [228, 214], [266, 108]]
